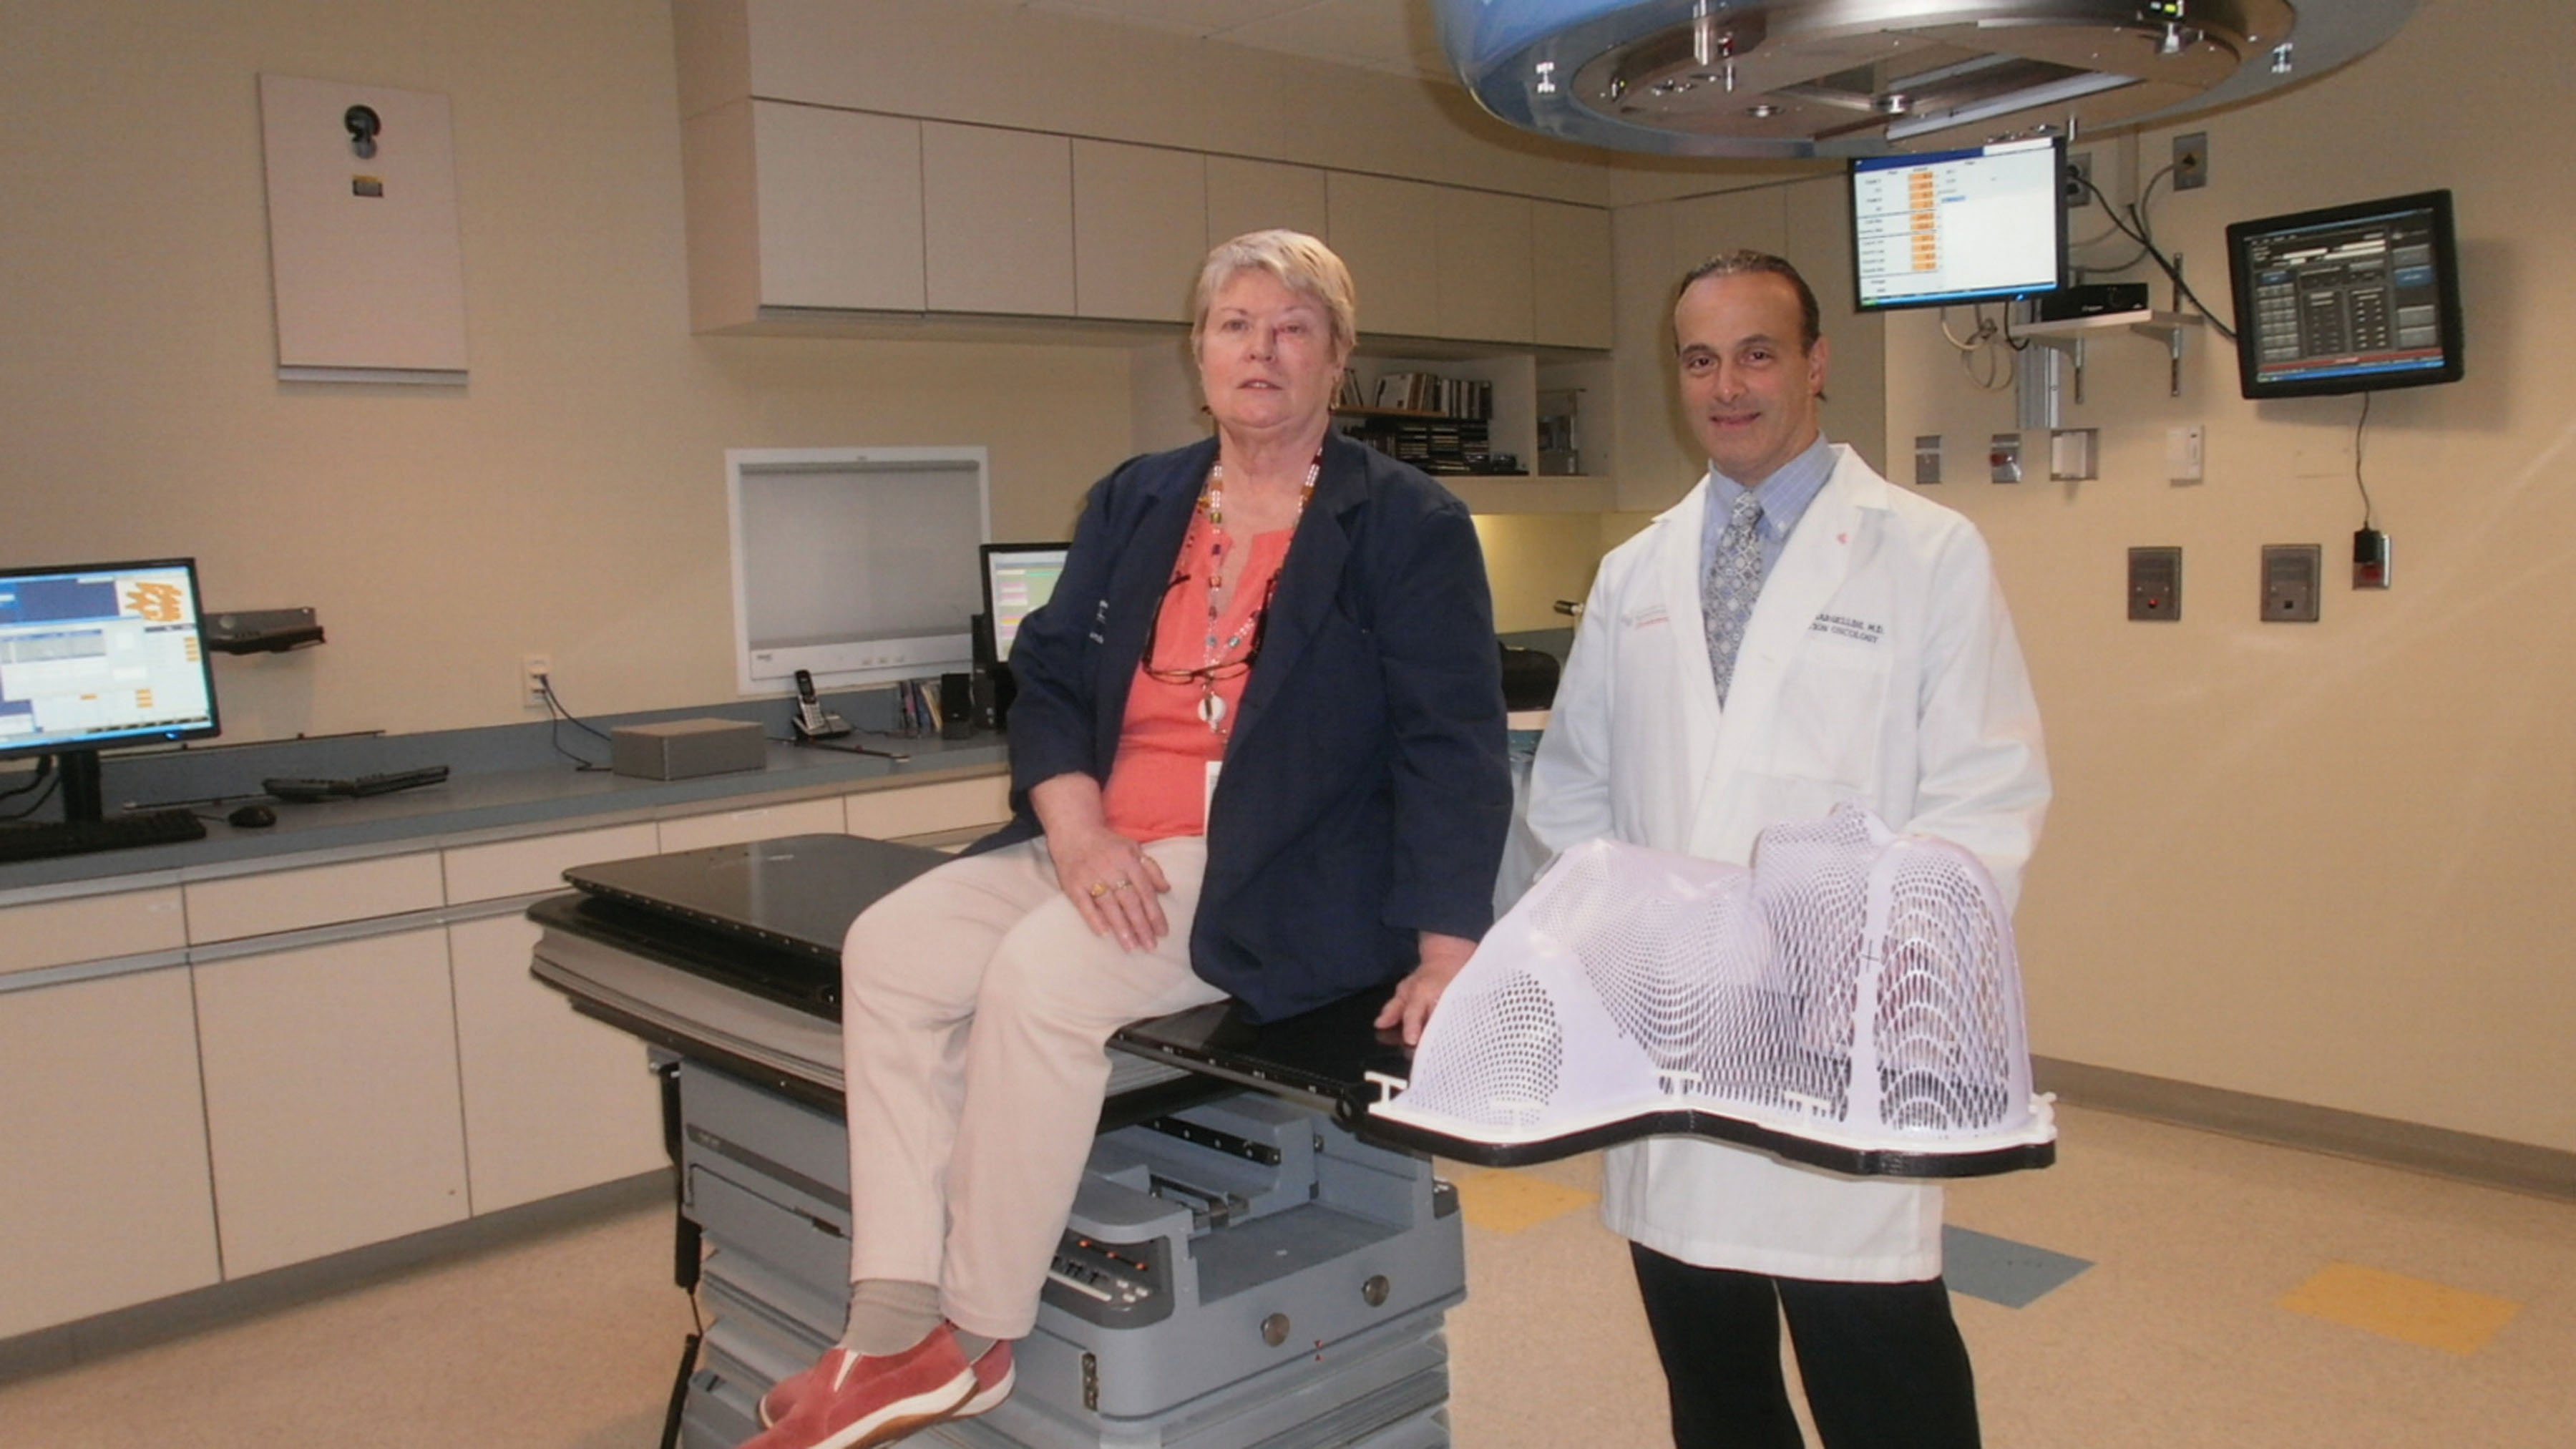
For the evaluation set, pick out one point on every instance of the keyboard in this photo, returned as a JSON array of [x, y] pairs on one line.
[[116, 832], [305, 792]]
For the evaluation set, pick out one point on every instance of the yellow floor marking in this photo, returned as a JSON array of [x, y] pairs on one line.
[[1502, 1201], [2453, 1320]]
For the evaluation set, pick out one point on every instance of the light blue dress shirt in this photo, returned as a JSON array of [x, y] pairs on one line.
[[1784, 497]]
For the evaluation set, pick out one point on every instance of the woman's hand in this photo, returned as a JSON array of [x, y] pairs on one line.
[[1108, 877], [1415, 996], [1114, 883]]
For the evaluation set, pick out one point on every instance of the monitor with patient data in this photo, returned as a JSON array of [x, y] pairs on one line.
[[2347, 298], [1018, 577], [1944, 228], [102, 655]]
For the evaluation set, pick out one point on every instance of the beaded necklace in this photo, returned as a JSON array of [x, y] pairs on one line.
[[1211, 706]]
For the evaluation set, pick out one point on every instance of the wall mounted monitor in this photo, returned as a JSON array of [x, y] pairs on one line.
[[98, 656], [1944, 228], [2347, 298], [847, 563], [1018, 577]]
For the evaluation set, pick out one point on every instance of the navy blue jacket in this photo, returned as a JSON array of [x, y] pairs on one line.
[[1365, 792]]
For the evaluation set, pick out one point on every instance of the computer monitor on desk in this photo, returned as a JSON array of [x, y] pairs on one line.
[[1018, 577], [97, 657]]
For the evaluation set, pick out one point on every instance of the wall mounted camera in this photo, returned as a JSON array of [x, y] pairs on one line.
[[364, 126]]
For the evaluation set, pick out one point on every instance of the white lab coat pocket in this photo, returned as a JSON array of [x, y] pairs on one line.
[[1830, 707]]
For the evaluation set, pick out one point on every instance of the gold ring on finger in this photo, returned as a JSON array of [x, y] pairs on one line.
[[1099, 889]]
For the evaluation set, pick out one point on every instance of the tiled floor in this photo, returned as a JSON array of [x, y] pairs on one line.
[[2158, 1287]]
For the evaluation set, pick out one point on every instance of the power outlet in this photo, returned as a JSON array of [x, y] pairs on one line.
[[2079, 181], [2191, 161], [534, 671]]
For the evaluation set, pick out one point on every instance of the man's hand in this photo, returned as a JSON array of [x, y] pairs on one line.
[[1415, 996]]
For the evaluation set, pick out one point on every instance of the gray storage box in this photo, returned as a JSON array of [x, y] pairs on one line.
[[683, 749]]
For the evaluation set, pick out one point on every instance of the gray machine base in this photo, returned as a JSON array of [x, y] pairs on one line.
[[1297, 1285]]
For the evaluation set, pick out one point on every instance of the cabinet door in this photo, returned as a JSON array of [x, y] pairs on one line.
[[537, 863], [1485, 277], [1387, 234], [91, 928], [930, 809], [1570, 253], [1138, 212], [1247, 196], [840, 208], [331, 1098], [997, 215], [759, 822], [105, 1195], [321, 895], [554, 1101]]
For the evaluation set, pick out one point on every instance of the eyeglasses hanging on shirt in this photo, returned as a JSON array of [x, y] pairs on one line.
[[1247, 637]]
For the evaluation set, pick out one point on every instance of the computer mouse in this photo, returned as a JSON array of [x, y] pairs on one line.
[[253, 817]]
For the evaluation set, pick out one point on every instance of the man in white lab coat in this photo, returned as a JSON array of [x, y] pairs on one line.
[[1793, 634]]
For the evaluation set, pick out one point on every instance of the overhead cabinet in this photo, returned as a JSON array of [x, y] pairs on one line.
[[1139, 230], [800, 212], [997, 220]]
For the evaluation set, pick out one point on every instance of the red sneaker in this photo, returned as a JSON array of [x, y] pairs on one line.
[[847, 1401], [994, 1378]]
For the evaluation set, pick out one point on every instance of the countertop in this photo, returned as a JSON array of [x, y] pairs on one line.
[[472, 807]]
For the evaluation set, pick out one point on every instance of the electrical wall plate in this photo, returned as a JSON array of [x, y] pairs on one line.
[[2184, 452], [2292, 575], [2073, 454], [2191, 161], [1927, 459], [2003, 458], [2155, 583]]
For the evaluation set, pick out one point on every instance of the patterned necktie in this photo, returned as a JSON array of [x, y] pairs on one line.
[[1734, 579]]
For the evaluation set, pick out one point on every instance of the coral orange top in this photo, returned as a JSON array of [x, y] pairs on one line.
[[1158, 785]]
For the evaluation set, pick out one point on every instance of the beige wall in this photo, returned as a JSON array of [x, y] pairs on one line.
[[2319, 862], [570, 500]]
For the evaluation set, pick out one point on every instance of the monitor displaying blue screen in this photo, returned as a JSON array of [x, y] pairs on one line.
[[102, 655], [1939, 228], [1018, 577]]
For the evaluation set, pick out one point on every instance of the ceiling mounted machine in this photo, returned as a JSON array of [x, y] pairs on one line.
[[1802, 78]]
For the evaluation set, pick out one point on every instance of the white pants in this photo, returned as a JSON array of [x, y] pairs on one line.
[[976, 1006]]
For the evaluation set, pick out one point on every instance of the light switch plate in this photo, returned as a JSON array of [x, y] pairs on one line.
[[2184, 443], [1927, 459]]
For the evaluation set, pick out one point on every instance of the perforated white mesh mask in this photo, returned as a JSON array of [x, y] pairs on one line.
[[1851, 1001]]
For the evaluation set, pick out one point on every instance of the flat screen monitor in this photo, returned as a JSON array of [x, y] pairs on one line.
[[98, 656], [1942, 228], [2347, 298], [1018, 577]]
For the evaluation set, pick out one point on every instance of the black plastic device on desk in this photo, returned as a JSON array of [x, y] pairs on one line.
[[813, 721], [302, 791], [111, 832]]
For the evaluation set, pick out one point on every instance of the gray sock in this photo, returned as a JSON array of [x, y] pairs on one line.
[[972, 1345], [888, 1315]]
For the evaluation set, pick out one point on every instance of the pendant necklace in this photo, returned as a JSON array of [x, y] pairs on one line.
[[1211, 705]]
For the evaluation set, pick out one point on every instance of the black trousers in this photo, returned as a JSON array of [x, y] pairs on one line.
[[1883, 1363]]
